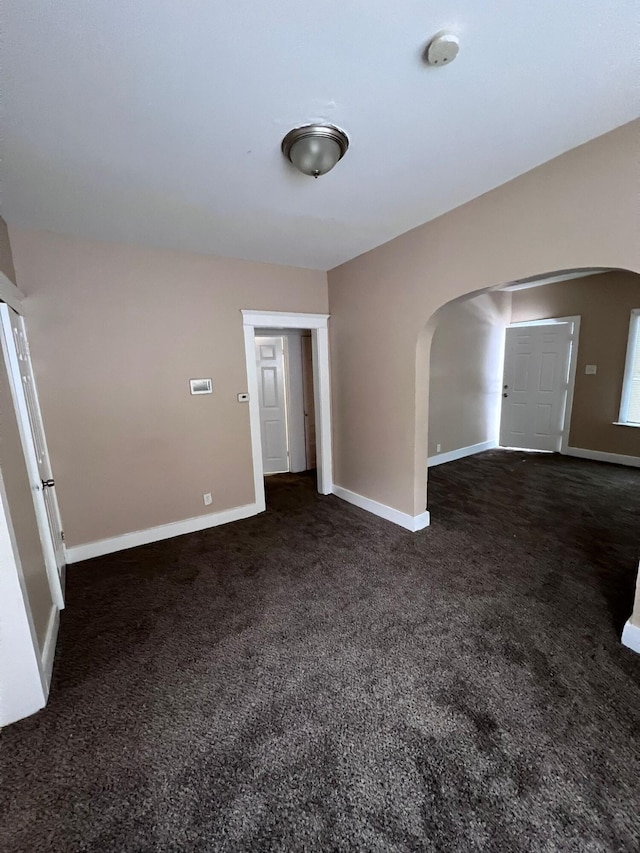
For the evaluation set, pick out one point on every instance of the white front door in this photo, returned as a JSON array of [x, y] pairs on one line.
[[273, 407], [535, 384], [25, 397]]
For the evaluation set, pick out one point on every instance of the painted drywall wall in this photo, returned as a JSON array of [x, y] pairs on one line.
[[6, 257], [577, 211], [116, 333], [465, 388], [604, 303], [21, 509]]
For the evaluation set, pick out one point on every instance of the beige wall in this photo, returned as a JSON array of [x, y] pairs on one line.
[[6, 258], [465, 387], [604, 303], [116, 332], [580, 210], [23, 516]]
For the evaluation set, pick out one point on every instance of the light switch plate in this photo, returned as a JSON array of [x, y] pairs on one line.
[[243, 398], [591, 369]]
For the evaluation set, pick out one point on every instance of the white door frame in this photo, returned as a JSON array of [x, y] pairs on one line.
[[573, 366], [318, 326]]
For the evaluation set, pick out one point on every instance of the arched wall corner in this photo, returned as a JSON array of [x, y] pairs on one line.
[[422, 374]]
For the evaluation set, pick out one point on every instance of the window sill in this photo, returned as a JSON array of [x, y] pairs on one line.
[[623, 423]]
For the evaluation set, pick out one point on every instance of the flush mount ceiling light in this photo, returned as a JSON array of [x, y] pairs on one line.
[[315, 148]]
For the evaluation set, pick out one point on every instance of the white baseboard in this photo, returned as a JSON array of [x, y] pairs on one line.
[[631, 637], [155, 534], [460, 453], [49, 647], [409, 522], [601, 456]]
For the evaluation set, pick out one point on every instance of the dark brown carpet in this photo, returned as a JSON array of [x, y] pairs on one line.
[[317, 679]]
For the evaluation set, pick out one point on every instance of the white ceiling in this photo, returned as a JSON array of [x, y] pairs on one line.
[[159, 122]]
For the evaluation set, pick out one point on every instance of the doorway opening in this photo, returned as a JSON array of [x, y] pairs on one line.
[[466, 383], [287, 361], [284, 362], [498, 383], [536, 365]]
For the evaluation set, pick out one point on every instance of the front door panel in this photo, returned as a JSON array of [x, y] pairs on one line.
[[535, 386]]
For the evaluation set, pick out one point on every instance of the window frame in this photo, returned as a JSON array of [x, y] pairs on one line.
[[633, 342]]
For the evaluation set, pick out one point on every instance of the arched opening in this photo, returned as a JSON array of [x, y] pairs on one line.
[[487, 315], [463, 346]]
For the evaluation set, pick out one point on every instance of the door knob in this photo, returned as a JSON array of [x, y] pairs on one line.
[[47, 484], [505, 395]]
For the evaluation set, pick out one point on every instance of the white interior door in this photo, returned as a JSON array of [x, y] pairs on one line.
[[272, 403], [25, 396], [535, 383]]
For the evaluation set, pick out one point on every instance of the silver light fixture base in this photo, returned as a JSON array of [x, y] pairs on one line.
[[318, 148]]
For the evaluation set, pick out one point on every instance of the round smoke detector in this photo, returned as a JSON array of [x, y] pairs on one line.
[[442, 49]]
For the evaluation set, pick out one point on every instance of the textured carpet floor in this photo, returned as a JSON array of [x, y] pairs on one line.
[[317, 679]]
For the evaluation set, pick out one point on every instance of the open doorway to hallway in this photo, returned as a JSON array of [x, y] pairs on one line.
[[318, 433], [284, 364]]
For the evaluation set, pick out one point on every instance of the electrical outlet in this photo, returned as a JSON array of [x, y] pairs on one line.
[[208, 500], [438, 448]]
